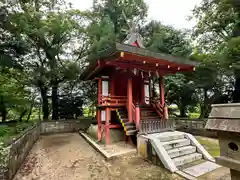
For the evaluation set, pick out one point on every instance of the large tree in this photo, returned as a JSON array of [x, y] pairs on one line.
[[217, 33], [166, 39], [57, 37]]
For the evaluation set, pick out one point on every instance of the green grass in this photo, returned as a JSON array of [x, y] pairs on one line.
[[7, 132], [194, 115], [211, 145]]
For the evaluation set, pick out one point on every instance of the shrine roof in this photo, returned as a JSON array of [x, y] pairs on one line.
[[110, 54]]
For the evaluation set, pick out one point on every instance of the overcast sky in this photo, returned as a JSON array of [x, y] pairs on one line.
[[170, 12]]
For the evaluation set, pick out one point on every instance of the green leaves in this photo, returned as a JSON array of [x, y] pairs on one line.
[[166, 39]]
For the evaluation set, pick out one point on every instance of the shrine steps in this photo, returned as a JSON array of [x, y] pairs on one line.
[[129, 127], [178, 152]]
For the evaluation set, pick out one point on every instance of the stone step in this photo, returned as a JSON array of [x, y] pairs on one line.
[[131, 132], [176, 152], [151, 119], [201, 169], [130, 127], [150, 115], [176, 143], [181, 160], [125, 120], [170, 136], [146, 112], [129, 124]]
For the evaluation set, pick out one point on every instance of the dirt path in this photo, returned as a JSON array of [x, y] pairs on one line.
[[69, 157]]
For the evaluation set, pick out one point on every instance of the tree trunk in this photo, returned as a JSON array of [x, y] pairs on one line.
[[182, 109], [22, 115], [4, 114], [39, 114], [236, 33], [45, 107], [30, 112], [55, 101], [204, 105], [3, 109]]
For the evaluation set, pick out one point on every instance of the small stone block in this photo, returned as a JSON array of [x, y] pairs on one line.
[[201, 169]]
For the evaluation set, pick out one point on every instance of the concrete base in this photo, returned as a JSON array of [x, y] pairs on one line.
[[201, 169], [116, 135], [111, 151]]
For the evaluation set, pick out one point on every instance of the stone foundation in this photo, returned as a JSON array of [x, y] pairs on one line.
[[115, 134]]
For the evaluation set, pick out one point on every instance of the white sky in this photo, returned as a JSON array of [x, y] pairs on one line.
[[170, 12]]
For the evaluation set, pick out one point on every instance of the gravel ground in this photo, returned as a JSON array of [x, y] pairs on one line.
[[70, 157]]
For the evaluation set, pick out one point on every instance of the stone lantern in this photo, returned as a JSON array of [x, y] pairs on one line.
[[225, 120]]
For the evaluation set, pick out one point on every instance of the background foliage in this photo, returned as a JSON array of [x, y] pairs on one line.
[[44, 44]]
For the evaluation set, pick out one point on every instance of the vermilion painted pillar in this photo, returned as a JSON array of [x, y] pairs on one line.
[[99, 135], [107, 129], [99, 111], [162, 100], [137, 116], [130, 99], [161, 87]]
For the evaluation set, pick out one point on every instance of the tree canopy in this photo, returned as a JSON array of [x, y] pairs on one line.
[[44, 44]]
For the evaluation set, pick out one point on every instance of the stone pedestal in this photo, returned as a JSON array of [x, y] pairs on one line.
[[225, 120]]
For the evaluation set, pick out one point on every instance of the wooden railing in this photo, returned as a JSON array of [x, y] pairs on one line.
[[133, 112], [113, 100], [157, 107]]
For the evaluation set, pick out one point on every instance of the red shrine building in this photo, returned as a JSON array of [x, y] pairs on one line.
[[125, 96]]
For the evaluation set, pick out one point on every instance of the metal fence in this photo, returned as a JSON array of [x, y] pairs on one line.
[[156, 126]]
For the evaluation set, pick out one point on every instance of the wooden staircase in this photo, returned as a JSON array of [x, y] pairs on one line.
[[129, 127], [149, 114]]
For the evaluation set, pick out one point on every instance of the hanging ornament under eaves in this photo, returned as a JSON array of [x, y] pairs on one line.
[[149, 73], [157, 74], [135, 71]]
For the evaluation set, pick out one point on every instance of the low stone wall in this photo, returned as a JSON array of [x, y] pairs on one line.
[[19, 147], [194, 126], [64, 126], [199, 132], [190, 123]]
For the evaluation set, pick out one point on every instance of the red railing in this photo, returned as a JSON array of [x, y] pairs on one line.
[[133, 112], [157, 107], [113, 100]]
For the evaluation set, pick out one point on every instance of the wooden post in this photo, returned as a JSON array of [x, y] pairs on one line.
[[137, 116], [162, 99], [99, 135], [129, 94], [161, 88], [99, 120], [107, 129]]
